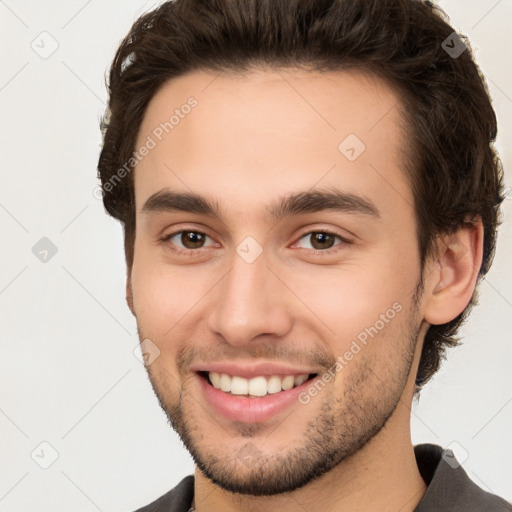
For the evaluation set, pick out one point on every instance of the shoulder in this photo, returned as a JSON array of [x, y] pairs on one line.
[[178, 499], [449, 486]]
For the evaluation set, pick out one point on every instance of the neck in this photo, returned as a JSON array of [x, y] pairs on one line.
[[383, 476]]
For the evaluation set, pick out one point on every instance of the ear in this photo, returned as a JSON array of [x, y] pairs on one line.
[[129, 293], [452, 278]]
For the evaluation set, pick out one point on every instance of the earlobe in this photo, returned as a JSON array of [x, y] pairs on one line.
[[451, 284], [129, 294]]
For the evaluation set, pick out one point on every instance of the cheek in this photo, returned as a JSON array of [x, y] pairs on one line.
[[163, 295], [350, 299], [161, 301], [156, 299]]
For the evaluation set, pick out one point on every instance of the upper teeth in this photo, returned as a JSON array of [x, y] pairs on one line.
[[257, 386]]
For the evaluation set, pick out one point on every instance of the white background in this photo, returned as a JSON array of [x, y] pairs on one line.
[[68, 375]]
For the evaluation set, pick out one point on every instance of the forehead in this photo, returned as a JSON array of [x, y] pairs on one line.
[[271, 132]]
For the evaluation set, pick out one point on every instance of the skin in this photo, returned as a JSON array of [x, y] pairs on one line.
[[252, 139]]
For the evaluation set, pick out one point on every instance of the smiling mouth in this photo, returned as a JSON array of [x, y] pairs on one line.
[[256, 387]]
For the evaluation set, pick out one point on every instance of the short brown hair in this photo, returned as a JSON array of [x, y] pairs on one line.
[[455, 174]]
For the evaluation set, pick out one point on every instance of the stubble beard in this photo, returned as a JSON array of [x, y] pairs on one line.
[[339, 427]]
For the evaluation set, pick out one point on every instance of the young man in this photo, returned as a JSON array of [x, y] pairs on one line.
[[310, 195]]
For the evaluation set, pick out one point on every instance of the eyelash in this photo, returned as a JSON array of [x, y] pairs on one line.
[[199, 251]]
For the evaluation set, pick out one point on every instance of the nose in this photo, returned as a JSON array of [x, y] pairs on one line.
[[249, 302]]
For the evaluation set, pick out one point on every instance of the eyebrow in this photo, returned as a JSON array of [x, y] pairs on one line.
[[294, 204]]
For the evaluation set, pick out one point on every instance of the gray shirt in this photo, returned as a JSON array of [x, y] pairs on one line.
[[449, 488]]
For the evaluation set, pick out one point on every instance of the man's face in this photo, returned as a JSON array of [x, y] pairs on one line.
[[260, 297]]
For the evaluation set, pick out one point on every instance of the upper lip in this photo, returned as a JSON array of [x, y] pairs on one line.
[[249, 370]]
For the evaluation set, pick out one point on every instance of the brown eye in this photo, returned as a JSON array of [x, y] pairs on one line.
[[192, 239], [187, 240], [322, 240]]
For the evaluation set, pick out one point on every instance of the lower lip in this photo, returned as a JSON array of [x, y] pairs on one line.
[[250, 410]]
